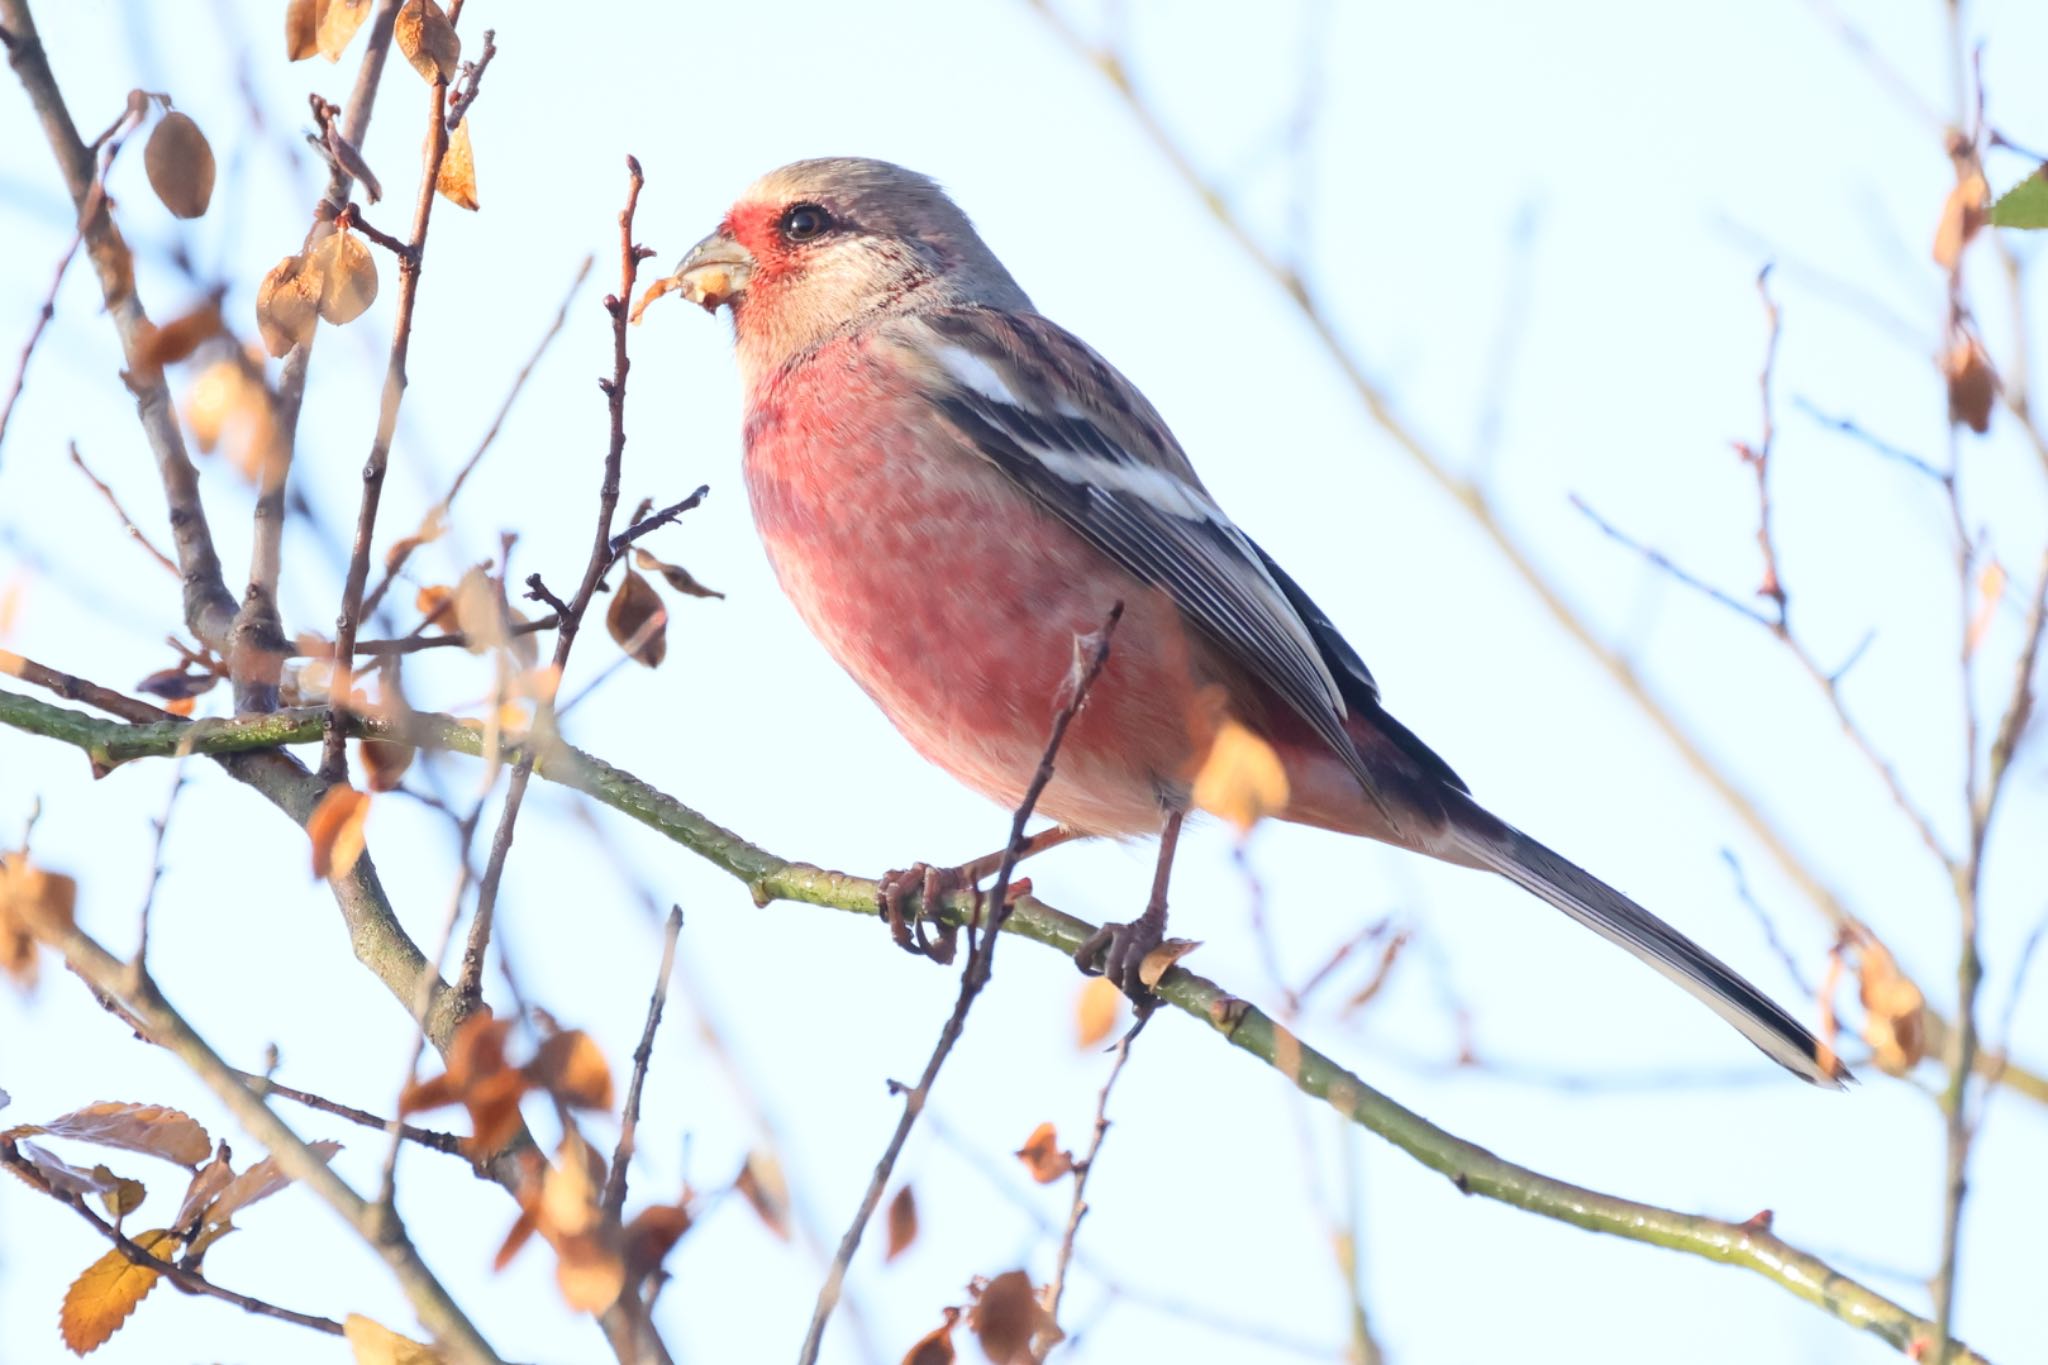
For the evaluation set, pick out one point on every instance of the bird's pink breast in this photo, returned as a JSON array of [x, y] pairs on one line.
[[955, 602]]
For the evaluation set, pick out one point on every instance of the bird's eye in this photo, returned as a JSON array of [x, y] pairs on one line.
[[805, 222]]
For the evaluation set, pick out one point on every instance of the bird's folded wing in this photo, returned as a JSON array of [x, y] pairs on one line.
[[1056, 418]]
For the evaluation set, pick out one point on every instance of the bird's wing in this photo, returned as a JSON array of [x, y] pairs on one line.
[[1079, 438]]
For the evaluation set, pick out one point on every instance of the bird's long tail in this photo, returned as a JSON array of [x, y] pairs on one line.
[[1492, 843]]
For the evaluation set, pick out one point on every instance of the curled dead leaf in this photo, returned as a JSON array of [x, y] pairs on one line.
[[902, 1223], [651, 1235], [572, 1068], [428, 40], [457, 181], [288, 304], [936, 1346], [479, 1079], [1043, 1156], [638, 620], [675, 575], [1964, 212], [180, 165], [1972, 386], [760, 1182], [301, 29], [336, 830], [1894, 1024], [348, 276], [181, 336], [1007, 1315], [1160, 960], [101, 1298], [152, 1129]]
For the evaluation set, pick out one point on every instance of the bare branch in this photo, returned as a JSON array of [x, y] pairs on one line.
[[629, 1120]]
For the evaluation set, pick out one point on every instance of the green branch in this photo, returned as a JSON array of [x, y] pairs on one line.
[[1471, 1168]]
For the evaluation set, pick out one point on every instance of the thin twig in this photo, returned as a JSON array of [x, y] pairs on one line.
[[127, 523], [35, 333], [629, 1120], [569, 615], [334, 758], [449, 1144], [1083, 1168], [395, 558], [1089, 657], [191, 1281]]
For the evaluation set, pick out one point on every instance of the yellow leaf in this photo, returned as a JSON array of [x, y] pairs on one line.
[[1242, 780], [336, 830], [428, 40], [339, 20], [301, 29], [288, 304], [457, 181], [1096, 1009], [180, 165], [348, 277], [151, 1129], [1161, 959], [375, 1344], [101, 1299]]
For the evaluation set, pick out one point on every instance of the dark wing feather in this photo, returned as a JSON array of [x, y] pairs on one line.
[[1085, 445]]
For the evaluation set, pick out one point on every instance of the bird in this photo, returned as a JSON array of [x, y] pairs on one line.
[[952, 490]]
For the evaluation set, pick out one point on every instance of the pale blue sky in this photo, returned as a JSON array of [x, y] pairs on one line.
[[1653, 157]]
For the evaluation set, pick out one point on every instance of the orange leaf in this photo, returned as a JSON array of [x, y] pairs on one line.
[[336, 829], [457, 180], [1990, 592], [1893, 1007], [301, 29], [150, 1129], [902, 1223], [339, 20], [1964, 212], [1096, 1009], [375, 1344], [207, 1182], [572, 1068], [477, 1078], [936, 1346], [428, 40], [101, 1298], [1042, 1156], [653, 1231]]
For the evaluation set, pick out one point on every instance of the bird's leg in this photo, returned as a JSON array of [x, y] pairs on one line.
[[933, 884], [1123, 947]]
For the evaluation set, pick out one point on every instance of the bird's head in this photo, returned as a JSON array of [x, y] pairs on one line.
[[818, 245]]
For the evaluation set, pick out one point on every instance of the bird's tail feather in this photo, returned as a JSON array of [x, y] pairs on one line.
[[1498, 846]]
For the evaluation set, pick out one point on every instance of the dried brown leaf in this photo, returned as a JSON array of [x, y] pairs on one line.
[[638, 620], [1007, 1316], [1894, 1021], [301, 29], [428, 40], [348, 277], [936, 1346], [480, 611], [207, 1183], [174, 683], [229, 407], [336, 830], [151, 1129], [1043, 1157], [902, 1223], [181, 336], [375, 1344], [1972, 386], [651, 1234], [33, 903], [571, 1067], [124, 1197], [287, 306], [260, 1181], [457, 180], [760, 1182], [180, 165], [384, 763], [675, 575], [338, 22], [1160, 960], [61, 1175], [478, 1079], [101, 1298], [1097, 1007]]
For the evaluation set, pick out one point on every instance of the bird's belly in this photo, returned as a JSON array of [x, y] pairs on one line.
[[955, 603]]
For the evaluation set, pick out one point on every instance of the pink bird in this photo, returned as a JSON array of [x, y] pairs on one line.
[[952, 488]]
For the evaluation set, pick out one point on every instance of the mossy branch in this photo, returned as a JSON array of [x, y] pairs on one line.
[[1471, 1168]]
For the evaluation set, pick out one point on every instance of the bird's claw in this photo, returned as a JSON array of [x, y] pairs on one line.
[[1122, 949], [930, 885]]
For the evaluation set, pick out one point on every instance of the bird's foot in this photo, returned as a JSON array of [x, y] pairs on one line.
[[930, 886], [1122, 949]]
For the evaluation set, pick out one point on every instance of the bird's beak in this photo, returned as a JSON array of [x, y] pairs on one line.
[[715, 272]]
